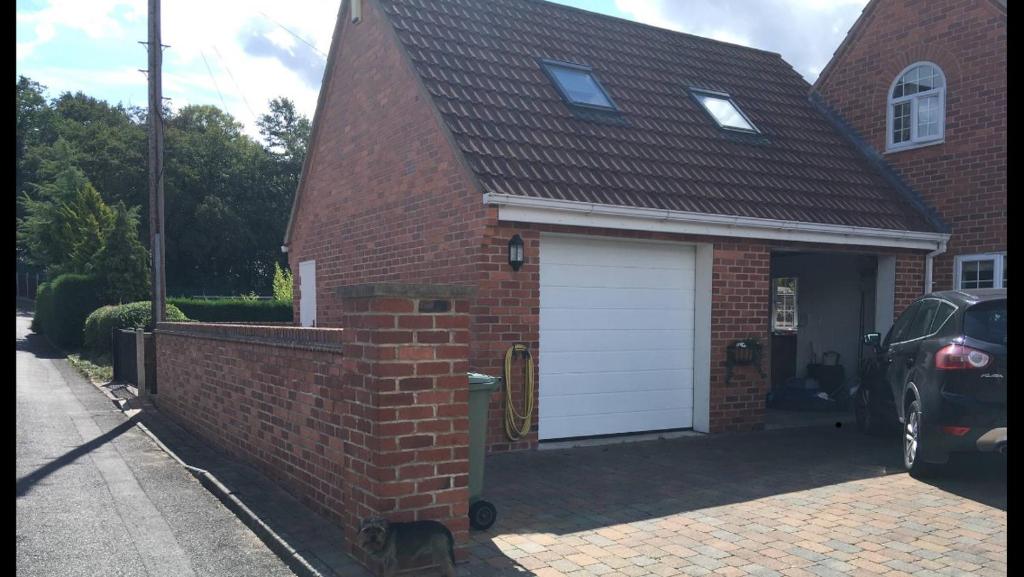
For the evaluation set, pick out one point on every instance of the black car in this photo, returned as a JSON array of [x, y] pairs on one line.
[[940, 374]]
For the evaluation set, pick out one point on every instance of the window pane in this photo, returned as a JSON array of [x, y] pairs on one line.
[[579, 86], [724, 111], [899, 328], [901, 122], [945, 311], [923, 320], [918, 79], [977, 274], [928, 116], [784, 300], [987, 322]]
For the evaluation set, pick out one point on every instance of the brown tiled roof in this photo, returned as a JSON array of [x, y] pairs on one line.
[[479, 59]]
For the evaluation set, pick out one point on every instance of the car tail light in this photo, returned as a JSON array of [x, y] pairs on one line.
[[956, 431], [957, 357]]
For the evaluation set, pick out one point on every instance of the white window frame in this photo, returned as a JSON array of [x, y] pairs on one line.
[[997, 268], [776, 325], [697, 93], [915, 141]]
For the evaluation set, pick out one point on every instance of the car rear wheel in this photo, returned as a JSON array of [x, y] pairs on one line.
[[912, 439]]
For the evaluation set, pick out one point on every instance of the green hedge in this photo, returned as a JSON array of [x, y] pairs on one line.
[[102, 322], [43, 307], [234, 310], [62, 306]]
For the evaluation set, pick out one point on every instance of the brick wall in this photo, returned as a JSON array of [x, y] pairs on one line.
[[408, 419], [270, 396], [964, 178], [385, 197], [371, 419]]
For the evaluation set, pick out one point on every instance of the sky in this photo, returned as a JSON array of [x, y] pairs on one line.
[[239, 54]]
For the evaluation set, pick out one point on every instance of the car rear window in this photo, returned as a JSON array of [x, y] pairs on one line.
[[986, 322]]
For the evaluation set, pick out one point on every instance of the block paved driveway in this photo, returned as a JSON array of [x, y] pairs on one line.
[[823, 501]]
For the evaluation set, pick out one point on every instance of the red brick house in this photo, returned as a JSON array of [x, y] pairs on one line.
[[924, 84], [666, 190]]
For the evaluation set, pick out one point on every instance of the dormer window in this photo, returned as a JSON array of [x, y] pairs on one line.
[[917, 107], [723, 110], [578, 85]]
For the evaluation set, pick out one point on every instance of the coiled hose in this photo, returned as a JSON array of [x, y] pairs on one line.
[[517, 425]]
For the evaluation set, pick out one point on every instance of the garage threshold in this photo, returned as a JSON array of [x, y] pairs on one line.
[[616, 439]]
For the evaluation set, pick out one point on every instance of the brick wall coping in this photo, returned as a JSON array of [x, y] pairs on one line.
[[285, 336], [407, 290]]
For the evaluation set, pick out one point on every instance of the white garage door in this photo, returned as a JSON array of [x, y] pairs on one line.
[[616, 336]]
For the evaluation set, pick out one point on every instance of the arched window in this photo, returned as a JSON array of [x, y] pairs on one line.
[[917, 107]]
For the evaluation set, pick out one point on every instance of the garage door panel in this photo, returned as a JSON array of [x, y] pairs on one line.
[[624, 253], [581, 383], [616, 336], [580, 275], [583, 340], [617, 298], [590, 425], [600, 361], [614, 319], [616, 402]]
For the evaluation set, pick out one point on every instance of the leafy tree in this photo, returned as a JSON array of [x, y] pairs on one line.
[[227, 196], [122, 265], [35, 125], [66, 222], [282, 283]]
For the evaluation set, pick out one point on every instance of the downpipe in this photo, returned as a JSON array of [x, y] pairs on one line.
[[929, 266]]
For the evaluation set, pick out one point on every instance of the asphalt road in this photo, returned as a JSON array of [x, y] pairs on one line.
[[97, 497]]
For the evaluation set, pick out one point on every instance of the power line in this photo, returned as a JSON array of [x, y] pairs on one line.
[[215, 85], [300, 38], [235, 82]]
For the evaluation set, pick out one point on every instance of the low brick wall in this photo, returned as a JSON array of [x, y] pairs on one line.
[[371, 419], [268, 395]]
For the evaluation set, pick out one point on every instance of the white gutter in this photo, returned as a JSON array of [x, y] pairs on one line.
[[514, 208], [928, 266]]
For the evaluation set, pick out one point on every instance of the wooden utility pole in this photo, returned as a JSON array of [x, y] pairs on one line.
[[156, 163]]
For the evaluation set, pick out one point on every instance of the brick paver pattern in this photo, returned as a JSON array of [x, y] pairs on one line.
[[798, 503]]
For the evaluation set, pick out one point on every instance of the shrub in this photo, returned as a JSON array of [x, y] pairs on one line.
[[282, 283], [66, 303], [104, 320], [44, 302], [234, 310]]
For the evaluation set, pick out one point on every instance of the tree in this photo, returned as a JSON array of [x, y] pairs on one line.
[[65, 223], [122, 264], [285, 131]]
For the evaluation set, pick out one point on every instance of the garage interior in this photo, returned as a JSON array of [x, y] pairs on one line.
[[822, 305]]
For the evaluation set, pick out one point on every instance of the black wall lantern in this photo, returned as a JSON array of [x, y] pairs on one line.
[[515, 252]]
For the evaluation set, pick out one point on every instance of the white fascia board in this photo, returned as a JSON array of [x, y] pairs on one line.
[[512, 208]]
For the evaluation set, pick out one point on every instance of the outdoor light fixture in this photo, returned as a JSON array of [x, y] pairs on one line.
[[515, 252]]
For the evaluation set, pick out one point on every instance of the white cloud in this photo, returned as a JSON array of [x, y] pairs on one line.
[[805, 32], [250, 46]]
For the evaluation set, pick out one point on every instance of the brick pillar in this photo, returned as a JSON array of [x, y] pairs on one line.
[[407, 420]]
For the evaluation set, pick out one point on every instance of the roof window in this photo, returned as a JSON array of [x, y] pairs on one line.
[[725, 112], [578, 85]]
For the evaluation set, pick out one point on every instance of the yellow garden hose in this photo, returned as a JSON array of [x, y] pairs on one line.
[[517, 425]]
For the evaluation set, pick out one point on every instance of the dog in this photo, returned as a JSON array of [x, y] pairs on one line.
[[395, 545]]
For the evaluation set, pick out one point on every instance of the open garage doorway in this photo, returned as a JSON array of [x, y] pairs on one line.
[[822, 303]]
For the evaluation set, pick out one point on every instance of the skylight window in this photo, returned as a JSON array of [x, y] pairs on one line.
[[578, 85], [724, 111]]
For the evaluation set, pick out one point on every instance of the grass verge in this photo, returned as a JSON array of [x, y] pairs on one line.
[[95, 368]]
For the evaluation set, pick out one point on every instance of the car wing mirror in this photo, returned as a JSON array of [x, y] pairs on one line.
[[873, 339]]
